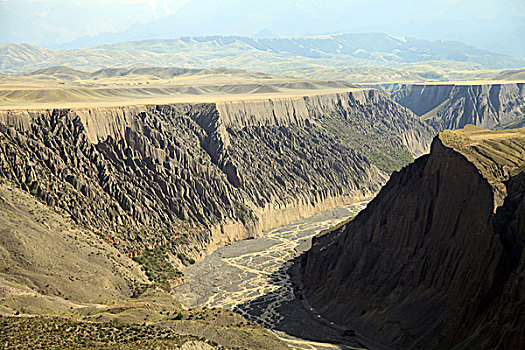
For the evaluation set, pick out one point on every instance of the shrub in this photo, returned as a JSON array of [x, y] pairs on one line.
[[157, 267]]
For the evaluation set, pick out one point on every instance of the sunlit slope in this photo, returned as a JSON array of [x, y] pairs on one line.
[[96, 295], [512, 74], [63, 86], [316, 56]]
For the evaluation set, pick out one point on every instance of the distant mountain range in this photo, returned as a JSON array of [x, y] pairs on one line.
[[494, 25], [291, 56]]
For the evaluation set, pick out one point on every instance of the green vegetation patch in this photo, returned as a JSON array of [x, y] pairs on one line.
[[379, 149], [185, 260], [243, 213], [157, 267], [390, 159], [59, 333]]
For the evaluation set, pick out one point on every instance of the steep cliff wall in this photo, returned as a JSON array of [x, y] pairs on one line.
[[194, 176], [436, 259], [449, 106]]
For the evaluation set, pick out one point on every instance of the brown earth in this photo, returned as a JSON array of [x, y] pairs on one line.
[[455, 105], [436, 259]]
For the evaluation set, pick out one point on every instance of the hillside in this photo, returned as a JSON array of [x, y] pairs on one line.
[[436, 259], [454, 105], [63, 286], [46, 254], [289, 56], [62, 87], [512, 74]]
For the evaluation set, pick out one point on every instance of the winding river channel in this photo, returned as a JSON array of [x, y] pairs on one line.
[[251, 277]]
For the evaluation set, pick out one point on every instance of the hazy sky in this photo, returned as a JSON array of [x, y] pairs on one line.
[[52, 22], [69, 19]]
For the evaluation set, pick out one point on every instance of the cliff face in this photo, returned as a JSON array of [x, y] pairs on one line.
[[436, 259], [451, 106], [194, 176]]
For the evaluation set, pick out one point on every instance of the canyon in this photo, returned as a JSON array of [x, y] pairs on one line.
[[436, 259], [233, 175], [194, 177], [122, 199], [111, 201]]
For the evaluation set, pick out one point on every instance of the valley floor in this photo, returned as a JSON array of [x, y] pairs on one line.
[[251, 277]]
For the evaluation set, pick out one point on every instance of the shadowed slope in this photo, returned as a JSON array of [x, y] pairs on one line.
[[431, 261]]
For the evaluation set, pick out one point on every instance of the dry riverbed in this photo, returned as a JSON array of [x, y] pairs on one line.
[[251, 277]]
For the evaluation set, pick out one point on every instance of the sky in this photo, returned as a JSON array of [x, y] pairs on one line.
[[58, 21], [483, 23]]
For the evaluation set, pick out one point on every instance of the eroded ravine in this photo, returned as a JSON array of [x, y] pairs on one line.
[[251, 278]]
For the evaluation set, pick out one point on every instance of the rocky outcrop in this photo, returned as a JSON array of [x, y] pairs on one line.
[[194, 176], [436, 259], [453, 106]]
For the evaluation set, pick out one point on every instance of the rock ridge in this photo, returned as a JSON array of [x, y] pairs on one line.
[[431, 262], [453, 106], [195, 176]]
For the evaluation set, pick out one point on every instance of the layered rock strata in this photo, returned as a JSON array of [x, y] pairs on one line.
[[453, 106], [199, 175]]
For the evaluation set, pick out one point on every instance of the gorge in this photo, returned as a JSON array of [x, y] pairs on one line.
[[194, 177], [142, 193], [454, 105], [262, 175], [436, 259]]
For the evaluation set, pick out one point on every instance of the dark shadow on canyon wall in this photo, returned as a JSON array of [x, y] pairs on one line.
[[291, 315]]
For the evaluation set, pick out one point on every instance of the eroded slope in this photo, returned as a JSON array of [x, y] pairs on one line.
[[189, 177], [65, 287], [453, 106], [433, 261]]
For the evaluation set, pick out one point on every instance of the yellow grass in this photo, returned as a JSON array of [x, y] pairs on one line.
[[48, 91]]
